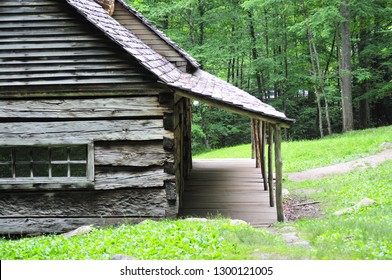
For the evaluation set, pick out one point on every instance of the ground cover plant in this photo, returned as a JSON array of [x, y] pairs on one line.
[[365, 233], [170, 240]]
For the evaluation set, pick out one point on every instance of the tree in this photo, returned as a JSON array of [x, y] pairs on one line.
[[345, 68]]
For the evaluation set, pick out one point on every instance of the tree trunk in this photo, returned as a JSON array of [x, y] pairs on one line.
[[318, 76], [255, 54], [363, 60], [345, 68]]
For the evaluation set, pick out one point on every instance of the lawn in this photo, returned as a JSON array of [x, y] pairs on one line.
[[363, 234], [302, 155]]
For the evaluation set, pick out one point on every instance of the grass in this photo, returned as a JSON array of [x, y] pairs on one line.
[[168, 240], [363, 234], [302, 155]]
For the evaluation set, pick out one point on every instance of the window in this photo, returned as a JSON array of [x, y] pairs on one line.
[[46, 164]]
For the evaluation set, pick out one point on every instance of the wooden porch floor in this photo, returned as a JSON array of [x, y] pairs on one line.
[[230, 188]]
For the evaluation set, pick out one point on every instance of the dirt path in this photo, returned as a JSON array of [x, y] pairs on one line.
[[345, 167]]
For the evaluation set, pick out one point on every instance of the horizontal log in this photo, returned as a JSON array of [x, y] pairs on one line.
[[39, 45], [82, 108], [47, 132], [76, 75], [66, 31], [120, 203], [29, 10], [36, 17], [131, 154], [8, 3], [111, 179], [74, 81], [81, 90], [10, 226], [39, 68]]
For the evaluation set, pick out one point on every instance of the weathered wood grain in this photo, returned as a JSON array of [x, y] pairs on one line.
[[111, 179], [139, 154], [279, 174], [233, 188], [125, 203], [137, 27], [117, 130], [38, 38], [82, 108]]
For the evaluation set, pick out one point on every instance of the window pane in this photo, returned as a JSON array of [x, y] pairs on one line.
[[5, 171], [59, 170], [22, 170], [5, 155], [78, 153], [78, 170], [59, 153], [40, 154], [22, 154], [41, 170]]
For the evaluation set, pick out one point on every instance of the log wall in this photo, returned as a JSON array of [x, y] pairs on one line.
[[131, 175], [62, 82], [46, 47]]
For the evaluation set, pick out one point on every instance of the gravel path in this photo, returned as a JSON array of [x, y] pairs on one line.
[[345, 167]]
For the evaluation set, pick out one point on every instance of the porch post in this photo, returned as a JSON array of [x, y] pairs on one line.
[[270, 165], [278, 171], [262, 131]]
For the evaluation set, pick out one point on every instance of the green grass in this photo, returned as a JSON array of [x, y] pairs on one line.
[[168, 240], [302, 155], [362, 234]]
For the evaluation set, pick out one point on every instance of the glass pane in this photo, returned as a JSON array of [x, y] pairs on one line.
[[40, 154], [41, 170], [5, 171], [5, 154], [59, 170], [78, 153], [22, 170], [22, 154], [59, 153], [78, 170]]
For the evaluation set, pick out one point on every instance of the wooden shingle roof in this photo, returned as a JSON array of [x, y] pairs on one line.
[[198, 85], [162, 35]]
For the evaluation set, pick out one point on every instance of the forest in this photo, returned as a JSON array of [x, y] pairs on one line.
[[326, 64]]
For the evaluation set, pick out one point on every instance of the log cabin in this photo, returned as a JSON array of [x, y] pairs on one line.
[[95, 110]]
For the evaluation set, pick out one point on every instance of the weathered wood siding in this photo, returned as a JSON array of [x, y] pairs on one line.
[[131, 179], [63, 82], [137, 27], [183, 141], [45, 44]]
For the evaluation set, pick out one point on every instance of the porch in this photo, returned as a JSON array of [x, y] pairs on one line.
[[230, 188]]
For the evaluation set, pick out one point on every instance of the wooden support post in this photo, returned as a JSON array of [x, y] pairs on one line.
[[270, 165], [256, 131], [262, 131], [278, 171], [252, 137]]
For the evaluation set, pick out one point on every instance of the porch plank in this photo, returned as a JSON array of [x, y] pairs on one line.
[[229, 188]]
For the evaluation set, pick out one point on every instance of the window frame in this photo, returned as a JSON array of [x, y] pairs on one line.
[[17, 183]]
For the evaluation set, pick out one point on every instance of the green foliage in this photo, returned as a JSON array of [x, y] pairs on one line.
[[218, 34], [363, 234], [213, 128], [166, 240]]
